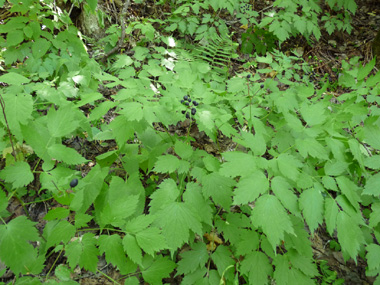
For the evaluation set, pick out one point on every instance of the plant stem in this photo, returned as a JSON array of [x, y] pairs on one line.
[[9, 130]]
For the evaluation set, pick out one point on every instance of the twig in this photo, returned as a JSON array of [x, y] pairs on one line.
[[122, 23], [9, 130]]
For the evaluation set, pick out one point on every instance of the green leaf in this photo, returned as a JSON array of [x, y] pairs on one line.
[[257, 266], [177, 220], [255, 142], [13, 78], [92, 185], [238, 164], [331, 214], [101, 109], [81, 220], [112, 247], [61, 123], [65, 154], [366, 69], [206, 123], [289, 166], [300, 240], [19, 174], [118, 204], [40, 47], [83, 251], [249, 242], [350, 236], [167, 164], [286, 274], [132, 249], [38, 137], [151, 240], [193, 259], [122, 61], [303, 263], [3, 203], [132, 111], [18, 109], [349, 190], [166, 193], [62, 272], [15, 248], [311, 204], [248, 189], [27, 280], [139, 223], [153, 270], [373, 256], [57, 213], [194, 198], [372, 161], [15, 37], [271, 216], [56, 232], [374, 218], [355, 150], [311, 147], [329, 183], [372, 186], [222, 258], [372, 135], [283, 191], [184, 150], [219, 188], [132, 281], [92, 4], [313, 114]]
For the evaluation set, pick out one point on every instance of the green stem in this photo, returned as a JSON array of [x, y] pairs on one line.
[[55, 261], [109, 277]]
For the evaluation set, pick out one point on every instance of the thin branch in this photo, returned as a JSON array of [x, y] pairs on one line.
[[9, 130], [123, 14]]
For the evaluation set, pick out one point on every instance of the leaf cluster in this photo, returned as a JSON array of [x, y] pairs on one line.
[[298, 159]]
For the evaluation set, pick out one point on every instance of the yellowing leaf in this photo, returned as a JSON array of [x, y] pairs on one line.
[[213, 238]]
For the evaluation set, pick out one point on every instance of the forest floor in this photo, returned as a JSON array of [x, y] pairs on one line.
[[326, 55]]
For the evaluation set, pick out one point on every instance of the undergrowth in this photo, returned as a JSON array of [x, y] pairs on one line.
[[287, 157]]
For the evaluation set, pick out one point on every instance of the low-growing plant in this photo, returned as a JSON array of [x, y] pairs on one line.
[[198, 176]]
